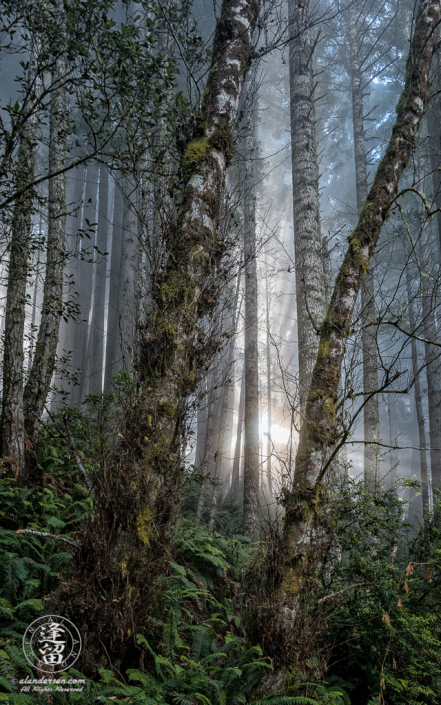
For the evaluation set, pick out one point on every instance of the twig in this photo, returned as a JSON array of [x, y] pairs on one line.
[[111, 664], [49, 536], [78, 461], [340, 592]]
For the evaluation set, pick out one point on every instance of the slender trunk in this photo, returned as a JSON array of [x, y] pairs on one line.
[[269, 478], [319, 440], [418, 398], [432, 355], [95, 349], [201, 433], [392, 406], [12, 420], [75, 184], [369, 338], [113, 354], [43, 364], [85, 282], [128, 278], [34, 304], [251, 508], [224, 408], [235, 480], [310, 292]]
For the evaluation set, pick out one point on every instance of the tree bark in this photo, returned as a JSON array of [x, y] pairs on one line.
[[434, 129], [319, 439], [310, 289], [210, 449], [43, 364], [369, 339], [251, 504]]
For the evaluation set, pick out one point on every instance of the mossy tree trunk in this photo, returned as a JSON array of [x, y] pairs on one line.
[[371, 417], [318, 443], [310, 282], [125, 545]]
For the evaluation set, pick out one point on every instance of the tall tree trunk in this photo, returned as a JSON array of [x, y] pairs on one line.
[[43, 364], [84, 285], [12, 420], [269, 478], [432, 354], [128, 277], [251, 504], [201, 427], [34, 303], [418, 397], [319, 441], [310, 291], [75, 184], [93, 370], [113, 352], [369, 338], [224, 407], [235, 480]]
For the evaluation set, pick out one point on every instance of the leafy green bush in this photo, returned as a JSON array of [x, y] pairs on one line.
[[386, 631]]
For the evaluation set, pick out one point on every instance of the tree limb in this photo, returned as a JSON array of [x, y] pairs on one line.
[[48, 536]]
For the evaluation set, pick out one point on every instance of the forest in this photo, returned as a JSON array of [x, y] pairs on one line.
[[220, 325]]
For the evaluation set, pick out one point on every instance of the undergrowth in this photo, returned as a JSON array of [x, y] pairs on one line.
[[383, 635]]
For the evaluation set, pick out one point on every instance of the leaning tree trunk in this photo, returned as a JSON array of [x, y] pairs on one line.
[[369, 339], [310, 283], [418, 397], [319, 441], [12, 420], [43, 364]]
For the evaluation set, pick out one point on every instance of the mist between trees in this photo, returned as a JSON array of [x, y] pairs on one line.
[[221, 378]]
